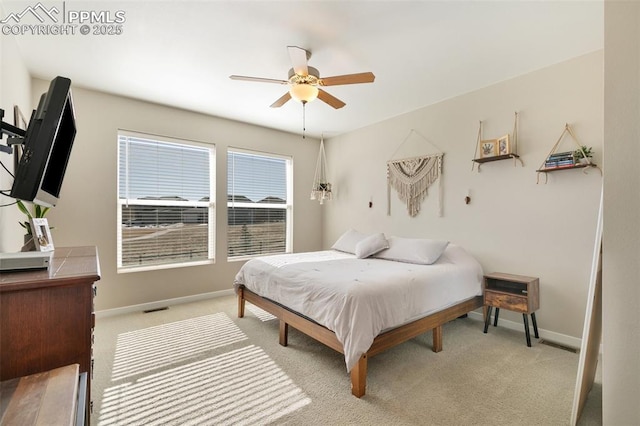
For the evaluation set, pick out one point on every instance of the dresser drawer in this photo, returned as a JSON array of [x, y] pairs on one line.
[[508, 301]]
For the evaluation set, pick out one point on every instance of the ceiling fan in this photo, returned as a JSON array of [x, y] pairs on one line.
[[305, 82]]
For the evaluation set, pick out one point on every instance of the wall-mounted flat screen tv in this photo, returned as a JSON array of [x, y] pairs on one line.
[[47, 146]]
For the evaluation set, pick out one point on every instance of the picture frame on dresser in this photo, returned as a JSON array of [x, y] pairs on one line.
[[41, 234]]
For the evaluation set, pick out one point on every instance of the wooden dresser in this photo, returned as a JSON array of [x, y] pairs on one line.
[[46, 316]]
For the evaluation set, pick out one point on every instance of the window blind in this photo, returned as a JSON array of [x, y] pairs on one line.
[[258, 204], [165, 212]]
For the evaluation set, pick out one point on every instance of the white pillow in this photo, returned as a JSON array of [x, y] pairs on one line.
[[348, 241], [413, 250], [371, 245]]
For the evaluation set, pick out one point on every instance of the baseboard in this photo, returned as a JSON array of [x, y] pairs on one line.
[[562, 339], [161, 303], [551, 336]]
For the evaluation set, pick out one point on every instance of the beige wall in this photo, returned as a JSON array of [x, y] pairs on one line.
[[15, 89], [86, 213], [621, 233], [512, 224]]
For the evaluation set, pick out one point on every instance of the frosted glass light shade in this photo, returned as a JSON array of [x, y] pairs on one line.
[[303, 92]]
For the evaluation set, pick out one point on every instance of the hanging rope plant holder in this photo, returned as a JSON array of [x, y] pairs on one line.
[[502, 148], [321, 188]]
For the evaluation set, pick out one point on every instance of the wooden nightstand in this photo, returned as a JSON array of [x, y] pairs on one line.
[[515, 293]]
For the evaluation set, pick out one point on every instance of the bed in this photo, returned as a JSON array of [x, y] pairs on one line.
[[361, 304]]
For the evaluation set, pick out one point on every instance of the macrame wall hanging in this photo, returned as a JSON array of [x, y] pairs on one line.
[[412, 177]]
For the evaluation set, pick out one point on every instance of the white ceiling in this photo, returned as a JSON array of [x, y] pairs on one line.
[[181, 53]]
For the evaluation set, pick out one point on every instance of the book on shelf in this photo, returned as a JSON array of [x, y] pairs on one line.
[[562, 158], [571, 159], [558, 163], [563, 166], [562, 154]]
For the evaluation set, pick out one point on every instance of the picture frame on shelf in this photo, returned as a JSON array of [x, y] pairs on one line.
[[41, 234], [488, 148], [504, 147]]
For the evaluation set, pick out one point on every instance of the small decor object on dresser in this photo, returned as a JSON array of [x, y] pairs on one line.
[[513, 292], [41, 234]]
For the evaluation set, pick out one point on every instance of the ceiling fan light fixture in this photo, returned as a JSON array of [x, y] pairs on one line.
[[303, 92]]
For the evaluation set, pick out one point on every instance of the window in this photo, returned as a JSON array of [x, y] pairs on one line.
[[259, 204], [165, 202]]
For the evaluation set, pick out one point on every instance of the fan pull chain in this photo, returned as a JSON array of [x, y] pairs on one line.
[[304, 127]]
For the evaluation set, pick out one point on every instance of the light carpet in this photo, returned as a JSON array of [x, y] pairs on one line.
[[198, 364]]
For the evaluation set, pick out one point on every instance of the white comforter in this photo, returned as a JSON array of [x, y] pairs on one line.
[[359, 298]]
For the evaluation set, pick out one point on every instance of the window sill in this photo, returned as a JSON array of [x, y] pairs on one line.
[[126, 270]]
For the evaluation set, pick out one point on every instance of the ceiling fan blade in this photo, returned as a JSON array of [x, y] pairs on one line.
[[281, 101], [258, 79], [330, 99], [299, 57], [363, 77]]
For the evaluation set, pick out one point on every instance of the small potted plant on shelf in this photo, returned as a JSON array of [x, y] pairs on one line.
[[581, 155]]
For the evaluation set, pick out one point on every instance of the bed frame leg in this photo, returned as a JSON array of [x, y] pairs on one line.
[[359, 377], [240, 302], [284, 333], [437, 339]]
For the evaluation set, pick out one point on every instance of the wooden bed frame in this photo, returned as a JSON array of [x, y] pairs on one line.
[[382, 342]]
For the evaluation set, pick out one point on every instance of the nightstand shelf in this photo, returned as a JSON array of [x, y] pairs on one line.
[[516, 293]]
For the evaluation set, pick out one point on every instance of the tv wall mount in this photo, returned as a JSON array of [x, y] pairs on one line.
[[15, 135]]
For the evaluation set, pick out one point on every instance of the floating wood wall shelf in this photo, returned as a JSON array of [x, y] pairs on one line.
[[586, 165], [511, 147], [497, 158]]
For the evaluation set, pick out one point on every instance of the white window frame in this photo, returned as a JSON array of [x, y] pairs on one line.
[[288, 206], [127, 201]]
